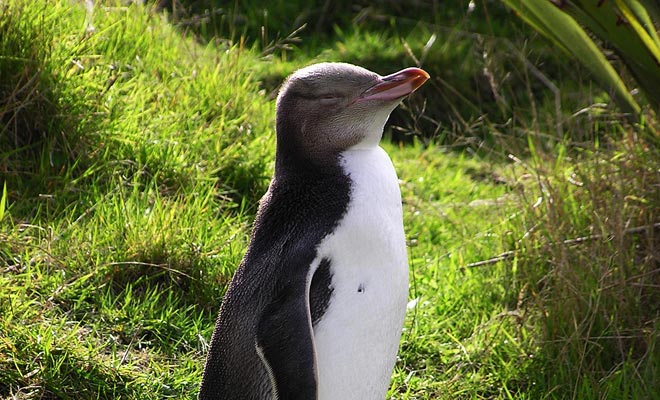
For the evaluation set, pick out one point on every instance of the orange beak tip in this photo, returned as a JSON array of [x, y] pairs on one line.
[[397, 85]]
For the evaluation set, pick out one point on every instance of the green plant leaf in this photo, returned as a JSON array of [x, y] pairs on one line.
[[567, 34], [652, 7], [627, 27], [642, 14], [3, 201]]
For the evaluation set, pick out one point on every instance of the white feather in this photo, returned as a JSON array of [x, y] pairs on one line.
[[357, 338]]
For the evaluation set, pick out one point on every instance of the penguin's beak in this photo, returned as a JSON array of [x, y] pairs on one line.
[[396, 86]]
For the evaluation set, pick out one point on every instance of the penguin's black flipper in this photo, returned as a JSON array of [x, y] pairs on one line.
[[284, 340]]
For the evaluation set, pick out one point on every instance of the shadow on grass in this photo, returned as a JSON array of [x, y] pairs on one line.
[[41, 130]]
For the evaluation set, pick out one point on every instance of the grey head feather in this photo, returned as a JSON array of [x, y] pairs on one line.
[[318, 116]]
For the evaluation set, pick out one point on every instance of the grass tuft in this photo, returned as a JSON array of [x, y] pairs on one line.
[[591, 265], [141, 132]]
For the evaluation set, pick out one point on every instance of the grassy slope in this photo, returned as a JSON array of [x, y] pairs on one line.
[[131, 186], [458, 340], [126, 216]]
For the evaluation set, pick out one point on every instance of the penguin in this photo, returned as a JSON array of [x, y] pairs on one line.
[[316, 307]]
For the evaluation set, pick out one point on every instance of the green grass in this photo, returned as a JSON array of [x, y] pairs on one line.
[[133, 155], [484, 60]]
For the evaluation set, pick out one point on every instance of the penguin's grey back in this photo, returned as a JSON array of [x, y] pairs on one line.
[[301, 207]]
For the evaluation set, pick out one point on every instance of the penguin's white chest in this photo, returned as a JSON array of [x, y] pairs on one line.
[[357, 339]]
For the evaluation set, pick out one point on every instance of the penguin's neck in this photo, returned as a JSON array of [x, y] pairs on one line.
[[375, 194], [371, 129], [368, 164]]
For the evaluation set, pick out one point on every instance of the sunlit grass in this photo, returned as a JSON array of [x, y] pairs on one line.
[[134, 156]]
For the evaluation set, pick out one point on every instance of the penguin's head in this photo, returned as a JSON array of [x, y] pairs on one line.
[[326, 108]]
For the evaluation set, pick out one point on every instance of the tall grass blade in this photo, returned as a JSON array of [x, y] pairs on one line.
[[642, 14], [3, 201]]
